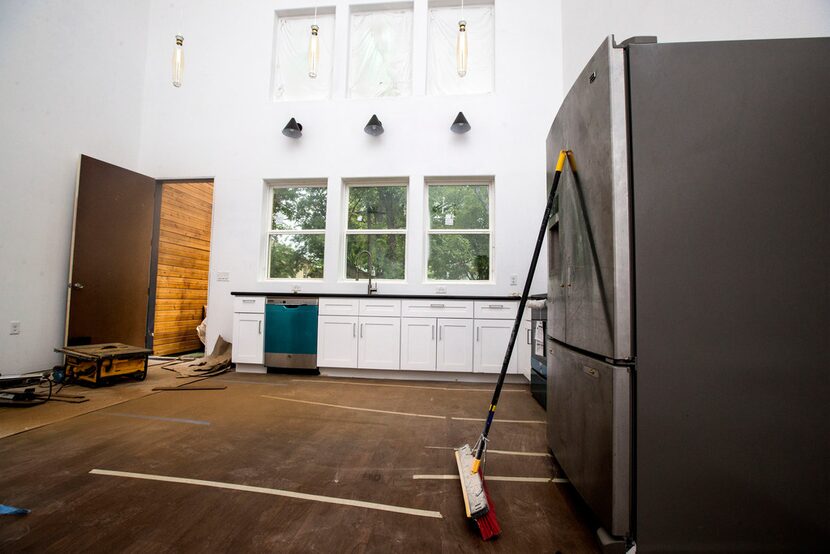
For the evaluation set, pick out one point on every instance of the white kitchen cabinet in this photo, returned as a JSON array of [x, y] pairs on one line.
[[248, 338], [524, 345], [337, 341], [455, 345], [418, 340], [379, 343], [491, 338]]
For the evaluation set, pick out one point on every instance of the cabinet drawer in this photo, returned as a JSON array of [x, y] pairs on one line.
[[338, 306], [496, 309], [380, 307], [459, 309], [249, 304]]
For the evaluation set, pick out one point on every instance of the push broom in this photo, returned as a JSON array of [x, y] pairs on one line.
[[479, 506]]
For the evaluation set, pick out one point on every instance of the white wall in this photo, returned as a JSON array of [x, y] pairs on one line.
[[222, 123], [587, 22], [72, 77]]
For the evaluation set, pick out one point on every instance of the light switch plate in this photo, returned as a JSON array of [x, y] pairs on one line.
[[223, 276], [14, 328]]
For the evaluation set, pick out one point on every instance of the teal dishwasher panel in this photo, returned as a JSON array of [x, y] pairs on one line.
[[290, 329]]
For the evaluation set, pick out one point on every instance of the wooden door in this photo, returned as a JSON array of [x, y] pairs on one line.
[[182, 266], [110, 261]]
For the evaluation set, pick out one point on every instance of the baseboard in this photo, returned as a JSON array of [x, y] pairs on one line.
[[404, 375]]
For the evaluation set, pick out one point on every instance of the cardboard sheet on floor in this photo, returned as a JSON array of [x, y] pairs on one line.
[[218, 362]]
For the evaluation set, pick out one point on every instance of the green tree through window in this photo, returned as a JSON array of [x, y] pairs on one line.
[[376, 222], [297, 232], [459, 232]]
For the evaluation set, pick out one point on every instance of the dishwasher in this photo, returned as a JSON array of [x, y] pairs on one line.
[[291, 332]]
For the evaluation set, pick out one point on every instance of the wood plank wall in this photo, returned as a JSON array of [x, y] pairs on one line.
[[182, 278]]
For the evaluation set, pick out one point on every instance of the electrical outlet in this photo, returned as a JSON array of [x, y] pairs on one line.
[[514, 280], [441, 290], [223, 276], [14, 328]]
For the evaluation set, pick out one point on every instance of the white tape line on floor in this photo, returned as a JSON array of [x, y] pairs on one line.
[[274, 492], [455, 477], [497, 420], [494, 451], [352, 407]]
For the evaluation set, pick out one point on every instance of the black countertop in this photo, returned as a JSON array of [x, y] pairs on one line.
[[358, 295]]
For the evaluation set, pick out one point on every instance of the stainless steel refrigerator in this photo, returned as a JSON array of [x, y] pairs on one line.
[[688, 315]]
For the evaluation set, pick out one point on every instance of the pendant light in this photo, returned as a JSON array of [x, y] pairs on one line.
[[314, 49], [461, 45], [178, 61]]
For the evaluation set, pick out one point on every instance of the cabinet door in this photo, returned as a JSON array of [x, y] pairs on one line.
[[455, 345], [524, 346], [418, 338], [491, 337], [379, 343], [248, 338], [336, 341]]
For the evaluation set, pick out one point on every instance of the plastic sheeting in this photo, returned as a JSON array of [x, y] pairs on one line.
[[291, 80], [442, 74], [380, 53]]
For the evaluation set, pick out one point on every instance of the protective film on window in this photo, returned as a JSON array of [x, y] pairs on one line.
[[442, 72], [380, 53], [292, 40]]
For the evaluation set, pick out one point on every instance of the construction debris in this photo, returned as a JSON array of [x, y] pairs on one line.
[[218, 362]]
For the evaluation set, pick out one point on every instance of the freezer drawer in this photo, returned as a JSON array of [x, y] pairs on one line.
[[589, 432]]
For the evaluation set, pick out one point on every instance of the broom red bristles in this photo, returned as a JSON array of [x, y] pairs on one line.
[[488, 525]]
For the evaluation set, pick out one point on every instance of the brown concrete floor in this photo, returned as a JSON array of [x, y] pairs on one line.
[[246, 438], [17, 419]]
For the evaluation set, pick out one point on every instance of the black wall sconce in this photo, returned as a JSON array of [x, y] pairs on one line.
[[460, 125], [374, 127], [293, 129]]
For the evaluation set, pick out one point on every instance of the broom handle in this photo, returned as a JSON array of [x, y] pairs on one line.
[[522, 303]]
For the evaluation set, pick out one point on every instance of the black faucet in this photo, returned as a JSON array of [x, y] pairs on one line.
[[373, 287]]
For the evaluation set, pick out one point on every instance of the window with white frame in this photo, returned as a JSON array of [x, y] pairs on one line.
[[292, 59], [442, 67], [459, 231], [376, 228], [380, 52], [296, 231]]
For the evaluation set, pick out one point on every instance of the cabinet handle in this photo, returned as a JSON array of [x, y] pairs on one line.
[[440, 333], [433, 332], [248, 301], [528, 337], [436, 305], [497, 306], [259, 329], [477, 332], [361, 330], [354, 329]]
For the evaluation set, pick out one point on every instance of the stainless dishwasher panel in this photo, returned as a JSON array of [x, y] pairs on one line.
[[589, 431]]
